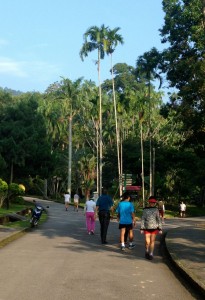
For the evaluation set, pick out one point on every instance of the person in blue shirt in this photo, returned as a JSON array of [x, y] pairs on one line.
[[104, 204], [126, 218]]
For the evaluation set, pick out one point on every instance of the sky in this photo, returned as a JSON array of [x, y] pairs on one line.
[[40, 40]]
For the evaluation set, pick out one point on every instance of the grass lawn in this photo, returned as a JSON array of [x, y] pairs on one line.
[[14, 208]]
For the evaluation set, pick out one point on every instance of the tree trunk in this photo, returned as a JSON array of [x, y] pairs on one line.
[[70, 155], [45, 194], [150, 146], [100, 127], [142, 158], [12, 171], [117, 132]]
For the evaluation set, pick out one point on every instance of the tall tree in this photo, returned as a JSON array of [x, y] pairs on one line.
[[113, 40], [70, 92], [184, 64], [148, 64], [95, 39], [23, 141]]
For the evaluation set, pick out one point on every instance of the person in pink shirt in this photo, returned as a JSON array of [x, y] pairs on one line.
[[90, 213]]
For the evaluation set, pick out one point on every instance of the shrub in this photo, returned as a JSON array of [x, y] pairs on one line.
[[3, 191], [14, 190]]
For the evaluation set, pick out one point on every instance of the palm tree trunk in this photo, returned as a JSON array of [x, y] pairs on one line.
[[150, 144], [142, 158], [153, 172], [97, 171], [70, 155], [117, 132], [100, 127]]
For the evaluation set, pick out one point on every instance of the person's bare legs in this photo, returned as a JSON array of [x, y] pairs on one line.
[[152, 243], [122, 235], [149, 245], [147, 242], [66, 205], [122, 238], [131, 235]]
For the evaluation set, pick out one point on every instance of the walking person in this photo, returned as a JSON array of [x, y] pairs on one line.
[[76, 201], [90, 213], [67, 200], [161, 208], [151, 225], [104, 205], [126, 218], [182, 208]]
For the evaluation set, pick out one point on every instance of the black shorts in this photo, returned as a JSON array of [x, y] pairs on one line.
[[127, 226]]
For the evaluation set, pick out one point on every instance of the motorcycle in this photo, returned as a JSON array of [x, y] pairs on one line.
[[36, 214]]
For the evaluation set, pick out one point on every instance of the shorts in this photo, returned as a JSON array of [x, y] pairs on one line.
[[151, 231], [76, 201], [126, 226]]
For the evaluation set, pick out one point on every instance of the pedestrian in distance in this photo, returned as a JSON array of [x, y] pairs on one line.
[[76, 201], [126, 218], [90, 213], [182, 208], [161, 208], [104, 206], [67, 200], [151, 225]]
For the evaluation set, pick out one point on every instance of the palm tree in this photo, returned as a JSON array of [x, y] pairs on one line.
[[95, 39], [113, 39], [87, 166], [147, 64], [71, 93]]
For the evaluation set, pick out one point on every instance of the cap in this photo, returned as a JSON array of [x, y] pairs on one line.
[[152, 200]]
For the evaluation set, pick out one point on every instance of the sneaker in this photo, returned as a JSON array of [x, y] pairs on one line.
[[123, 248], [150, 257], [92, 233], [146, 255], [131, 246], [89, 233]]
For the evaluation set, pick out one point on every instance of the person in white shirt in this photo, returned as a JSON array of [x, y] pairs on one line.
[[182, 207], [76, 201], [90, 213], [67, 200]]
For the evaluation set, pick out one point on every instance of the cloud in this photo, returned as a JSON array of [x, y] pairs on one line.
[[8, 66], [34, 69]]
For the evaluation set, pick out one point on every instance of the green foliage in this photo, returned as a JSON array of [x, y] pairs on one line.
[[3, 191], [15, 189], [23, 143], [19, 200]]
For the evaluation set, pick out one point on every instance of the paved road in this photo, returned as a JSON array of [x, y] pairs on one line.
[[59, 260]]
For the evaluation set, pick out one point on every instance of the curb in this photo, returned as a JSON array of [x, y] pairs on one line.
[[190, 277], [13, 237]]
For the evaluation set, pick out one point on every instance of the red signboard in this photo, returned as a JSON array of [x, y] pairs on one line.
[[133, 188]]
